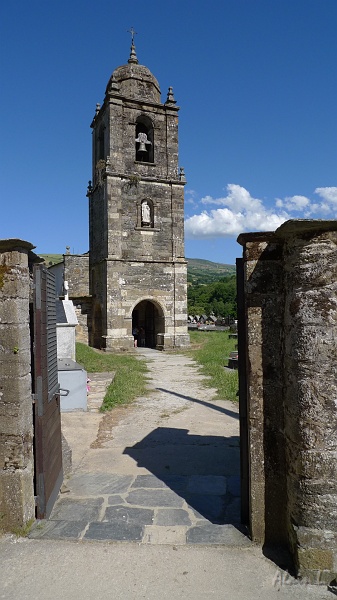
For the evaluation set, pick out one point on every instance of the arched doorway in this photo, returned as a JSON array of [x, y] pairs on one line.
[[148, 318]]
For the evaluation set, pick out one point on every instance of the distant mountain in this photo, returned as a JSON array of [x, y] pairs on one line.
[[200, 271]]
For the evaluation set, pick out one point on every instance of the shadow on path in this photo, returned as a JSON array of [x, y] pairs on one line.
[[230, 413], [203, 470]]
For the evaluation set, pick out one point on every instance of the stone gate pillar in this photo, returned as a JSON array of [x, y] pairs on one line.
[[310, 394], [290, 383], [17, 506], [263, 321]]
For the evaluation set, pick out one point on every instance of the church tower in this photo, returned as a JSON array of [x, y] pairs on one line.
[[136, 216]]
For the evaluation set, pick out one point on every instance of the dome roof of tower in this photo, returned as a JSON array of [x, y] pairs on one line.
[[135, 81]]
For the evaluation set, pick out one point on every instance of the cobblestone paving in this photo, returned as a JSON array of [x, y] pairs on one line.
[[167, 471]]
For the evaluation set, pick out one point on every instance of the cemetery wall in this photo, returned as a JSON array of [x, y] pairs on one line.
[[76, 272]]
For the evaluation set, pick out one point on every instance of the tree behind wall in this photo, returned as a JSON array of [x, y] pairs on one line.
[[217, 298]]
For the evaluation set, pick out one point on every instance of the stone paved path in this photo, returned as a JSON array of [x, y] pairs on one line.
[[97, 386], [162, 471]]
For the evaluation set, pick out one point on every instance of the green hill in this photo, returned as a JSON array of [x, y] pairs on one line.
[[51, 259], [200, 271]]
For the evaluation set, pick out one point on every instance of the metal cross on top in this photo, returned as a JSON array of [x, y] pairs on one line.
[[133, 33]]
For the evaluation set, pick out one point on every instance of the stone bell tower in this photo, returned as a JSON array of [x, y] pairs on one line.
[[136, 216]]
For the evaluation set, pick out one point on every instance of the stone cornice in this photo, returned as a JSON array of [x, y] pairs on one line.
[[143, 178]]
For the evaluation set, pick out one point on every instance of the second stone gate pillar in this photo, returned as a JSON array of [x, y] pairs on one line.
[[310, 394]]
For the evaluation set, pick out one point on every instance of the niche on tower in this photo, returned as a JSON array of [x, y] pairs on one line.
[[147, 213], [144, 140]]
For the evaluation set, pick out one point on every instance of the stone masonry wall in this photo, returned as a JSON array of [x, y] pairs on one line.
[[310, 382], [290, 321], [130, 283], [76, 272], [17, 506], [143, 261], [264, 308]]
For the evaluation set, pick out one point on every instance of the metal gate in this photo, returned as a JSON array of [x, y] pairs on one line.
[[47, 417]]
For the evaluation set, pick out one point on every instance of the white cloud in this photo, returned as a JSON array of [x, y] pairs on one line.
[[329, 194], [325, 208], [242, 212], [238, 197], [239, 212], [295, 203]]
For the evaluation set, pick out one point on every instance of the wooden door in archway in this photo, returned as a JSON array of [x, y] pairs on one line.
[[150, 325]]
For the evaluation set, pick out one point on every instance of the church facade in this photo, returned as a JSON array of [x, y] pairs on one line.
[[137, 268]]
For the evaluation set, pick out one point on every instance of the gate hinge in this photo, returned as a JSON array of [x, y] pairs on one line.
[[34, 398], [36, 500]]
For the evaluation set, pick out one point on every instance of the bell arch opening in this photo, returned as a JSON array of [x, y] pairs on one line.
[[147, 322], [144, 139]]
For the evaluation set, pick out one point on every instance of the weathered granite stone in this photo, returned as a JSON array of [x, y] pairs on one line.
[[290, 314], [115, 499], [17, 505], [137, 268], [263, 291], [70, 509], [76, 273], [152, 497], [148, 481], [55, 530], [116, 531], [226, 535], [95, 484], [128, 514], [209, 507], [172, 516], [67, 457]]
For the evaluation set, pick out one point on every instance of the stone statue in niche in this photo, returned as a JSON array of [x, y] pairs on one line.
[[142, 140], [146, 214]]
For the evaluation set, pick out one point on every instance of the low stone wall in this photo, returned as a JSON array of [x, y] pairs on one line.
[[76, 273], [17, 505], [83, 314], [290, 313]]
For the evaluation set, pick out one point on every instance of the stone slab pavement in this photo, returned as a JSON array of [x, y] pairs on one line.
[[152, 507], [162, 471]]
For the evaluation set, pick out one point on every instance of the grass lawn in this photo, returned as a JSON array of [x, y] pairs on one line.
[[130, 374], [208, 348], [211, 349]]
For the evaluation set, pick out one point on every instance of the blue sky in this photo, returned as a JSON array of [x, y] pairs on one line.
[[256, 83]]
